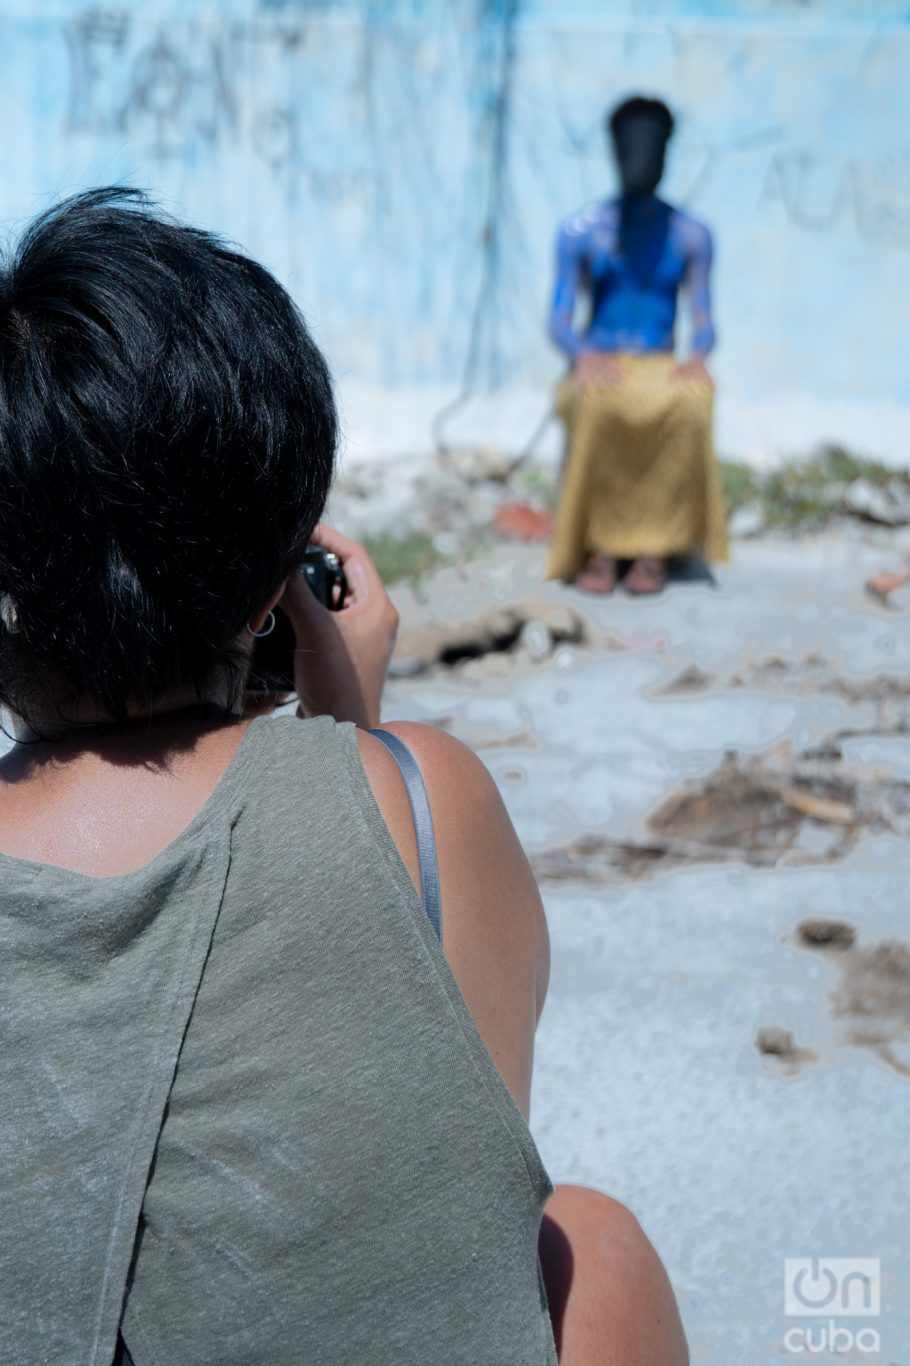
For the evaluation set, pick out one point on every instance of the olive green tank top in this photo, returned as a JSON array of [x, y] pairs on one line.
[[245, 1114]]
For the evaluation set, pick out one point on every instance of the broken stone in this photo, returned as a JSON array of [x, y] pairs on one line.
[[888, 504], [779, 1043], [536, 641], [563, 623], [477, 465], [489, 633], [691, 679], [486, 667], [523, 522], [826, 934], [535, 626], [449, 642]]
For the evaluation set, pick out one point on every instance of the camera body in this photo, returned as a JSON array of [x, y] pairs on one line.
[[323, 572], [272, 662]]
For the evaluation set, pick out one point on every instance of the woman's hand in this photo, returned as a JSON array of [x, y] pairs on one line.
[[341, 658], [695, 369]]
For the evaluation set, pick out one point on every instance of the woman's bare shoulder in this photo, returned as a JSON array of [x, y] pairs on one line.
[[494, 930]]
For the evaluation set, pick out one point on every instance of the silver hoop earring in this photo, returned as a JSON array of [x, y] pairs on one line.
[[266, 631], [9, 614]]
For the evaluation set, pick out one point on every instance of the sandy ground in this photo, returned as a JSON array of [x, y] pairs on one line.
[[667, 967]]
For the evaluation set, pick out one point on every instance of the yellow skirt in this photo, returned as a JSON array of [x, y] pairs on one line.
[[641, 476]]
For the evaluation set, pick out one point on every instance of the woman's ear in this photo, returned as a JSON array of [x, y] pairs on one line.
[[258, 619]]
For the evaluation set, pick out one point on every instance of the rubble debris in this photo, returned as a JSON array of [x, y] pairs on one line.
[[815, 674], [598, 858], [774, 1040], [761, 811], [779, 1043], [690, 680], [522, 522], [873, 996], [874, 999], [536, 640], [535, 626], [818, 808], [887, 504], [759, 807], [826, 934], [479, 464]]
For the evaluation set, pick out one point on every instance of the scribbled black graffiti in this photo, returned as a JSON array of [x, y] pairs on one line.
[[94, 41], [818, 198], [173, 89]]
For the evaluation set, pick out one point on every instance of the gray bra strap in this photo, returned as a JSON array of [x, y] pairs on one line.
[[423, 823]]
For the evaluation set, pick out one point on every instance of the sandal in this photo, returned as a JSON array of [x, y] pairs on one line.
[[599, 575], [647, 575]]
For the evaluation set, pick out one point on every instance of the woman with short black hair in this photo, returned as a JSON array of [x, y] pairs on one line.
[[252, 1111]]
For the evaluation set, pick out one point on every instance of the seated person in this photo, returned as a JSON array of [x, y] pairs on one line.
[[641, 482], [255, 1111]]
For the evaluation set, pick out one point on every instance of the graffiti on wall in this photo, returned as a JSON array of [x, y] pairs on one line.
[[183, 93], [170, 93], [820, 195]]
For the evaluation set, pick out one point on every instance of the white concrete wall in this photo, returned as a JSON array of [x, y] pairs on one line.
[[402, 167]]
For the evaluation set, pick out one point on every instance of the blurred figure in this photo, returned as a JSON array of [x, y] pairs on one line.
[[641, 481]]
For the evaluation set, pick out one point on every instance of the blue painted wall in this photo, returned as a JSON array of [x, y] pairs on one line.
[[403, 166]]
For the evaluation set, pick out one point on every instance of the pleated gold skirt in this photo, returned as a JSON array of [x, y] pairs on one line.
[[641, 476]]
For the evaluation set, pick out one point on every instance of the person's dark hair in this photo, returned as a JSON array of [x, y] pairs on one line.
[[640, 106], [167, 442]]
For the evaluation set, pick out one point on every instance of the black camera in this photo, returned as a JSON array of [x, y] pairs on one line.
[[323, 572], [272, 663]]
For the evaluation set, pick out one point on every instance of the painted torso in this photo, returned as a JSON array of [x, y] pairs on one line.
[[630, 258]]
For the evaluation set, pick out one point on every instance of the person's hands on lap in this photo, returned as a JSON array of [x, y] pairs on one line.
[[341, 658], [596, 369], [695, 369]]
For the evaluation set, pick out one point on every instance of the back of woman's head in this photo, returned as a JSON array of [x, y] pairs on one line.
[[167, 441]]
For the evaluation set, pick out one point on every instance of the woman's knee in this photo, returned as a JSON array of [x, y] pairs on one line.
[[602, 1272]]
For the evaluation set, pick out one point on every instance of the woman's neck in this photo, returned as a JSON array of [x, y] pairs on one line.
[[70, 718], [638, 204]]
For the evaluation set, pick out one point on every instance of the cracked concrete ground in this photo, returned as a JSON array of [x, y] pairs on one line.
[[649, 1081]]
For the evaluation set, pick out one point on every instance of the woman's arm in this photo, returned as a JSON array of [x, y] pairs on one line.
[[341, 658], [494, 931], [568, 280], [698, 283]]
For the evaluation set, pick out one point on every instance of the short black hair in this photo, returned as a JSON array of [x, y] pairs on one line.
[[167, 441], [637, 106]]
